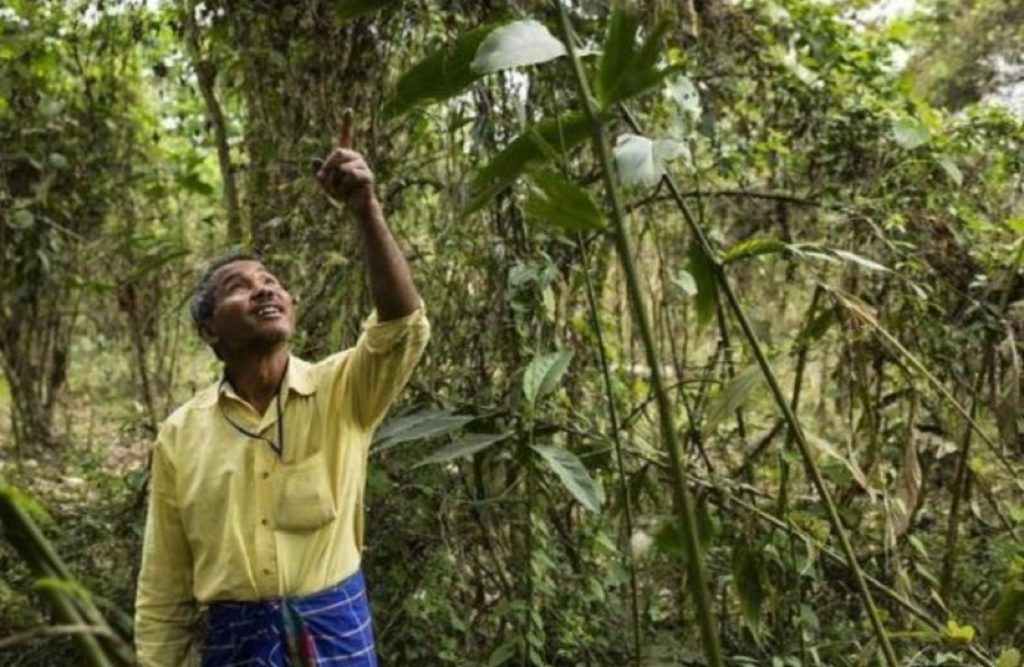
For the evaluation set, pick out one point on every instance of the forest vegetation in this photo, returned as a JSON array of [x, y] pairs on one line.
[[727, 301]]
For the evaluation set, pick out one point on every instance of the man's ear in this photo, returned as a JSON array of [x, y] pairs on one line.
[[207, 333]]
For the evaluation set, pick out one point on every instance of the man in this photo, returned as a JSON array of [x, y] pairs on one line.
[[256, 505]]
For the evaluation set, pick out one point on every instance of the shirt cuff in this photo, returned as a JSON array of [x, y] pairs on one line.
[[380, 337]]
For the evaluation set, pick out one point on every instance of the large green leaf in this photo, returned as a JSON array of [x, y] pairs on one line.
[[1008, 611], [422, 425], [624, 69], [909, 133], [442, 74], [562, 203], [516, 44], [543, 373], [747, 577], [573, 475], [558, 134], [669, 541], [752, 248], [707, 287], [859, 260], [734, 395], [1009, 658], [467, 445]]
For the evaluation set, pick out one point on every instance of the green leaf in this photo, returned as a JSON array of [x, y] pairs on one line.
[[734, 395], [707, 288], [817, 327], [859, 260], [505, 652], [22, 219], [1009, 658], [58, 161], [625, 70], [25, 502], [67, 586], [516, 44], [952, 171], [192, 182], [346, 10], [467, 445], [440, 75], [669, 541], [1007, 613], [422, 425], [543, 373], [752, 248], [562, 133], [746, 574], [909, 133], [562, 203], [573, 475], [958, 634]]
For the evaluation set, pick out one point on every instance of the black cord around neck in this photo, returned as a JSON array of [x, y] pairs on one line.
[[278, 447]]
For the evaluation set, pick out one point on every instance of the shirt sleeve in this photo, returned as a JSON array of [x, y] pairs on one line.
[[372, 374], [165, 610]]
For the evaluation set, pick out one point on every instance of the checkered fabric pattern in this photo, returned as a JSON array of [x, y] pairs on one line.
[[332, 627]]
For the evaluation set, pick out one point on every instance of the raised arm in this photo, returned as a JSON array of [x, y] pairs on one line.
[[347, 178]]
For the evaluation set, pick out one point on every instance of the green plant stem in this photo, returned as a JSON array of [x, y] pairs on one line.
[[962, 467], [730, 502], [803, 347], [787, 412], [684, 504], [613, 425], [37, 552], [528, 606]]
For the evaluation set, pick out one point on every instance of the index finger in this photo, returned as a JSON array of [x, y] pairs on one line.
[[345, 133]]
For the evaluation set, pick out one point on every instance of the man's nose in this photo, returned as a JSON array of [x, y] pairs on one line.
[[262, 293]]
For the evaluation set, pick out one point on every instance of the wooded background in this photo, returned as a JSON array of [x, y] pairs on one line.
[[727, 299]]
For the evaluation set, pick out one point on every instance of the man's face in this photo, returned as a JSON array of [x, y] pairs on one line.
[[252, 309]]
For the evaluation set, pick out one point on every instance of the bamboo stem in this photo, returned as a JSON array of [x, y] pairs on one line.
[[613, 419], [962, 468], [687, 520], [787, 412]]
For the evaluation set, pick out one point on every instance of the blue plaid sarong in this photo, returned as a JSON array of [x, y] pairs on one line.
[[332, 627]]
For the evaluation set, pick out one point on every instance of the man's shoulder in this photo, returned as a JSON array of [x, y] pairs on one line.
[[196, 407]]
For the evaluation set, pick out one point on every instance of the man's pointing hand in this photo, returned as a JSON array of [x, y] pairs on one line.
[[344, 175]]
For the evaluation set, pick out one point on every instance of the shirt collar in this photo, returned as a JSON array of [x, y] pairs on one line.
[[298, 378]]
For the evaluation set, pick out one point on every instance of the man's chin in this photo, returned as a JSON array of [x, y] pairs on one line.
[[269, 337]]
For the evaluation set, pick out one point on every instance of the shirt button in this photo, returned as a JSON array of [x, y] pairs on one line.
[[263, 521], [266, 570], [266, 474]]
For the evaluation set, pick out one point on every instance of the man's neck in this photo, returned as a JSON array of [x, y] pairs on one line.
[[257, 378]]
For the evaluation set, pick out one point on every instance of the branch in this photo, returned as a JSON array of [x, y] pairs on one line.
[[54, 630]]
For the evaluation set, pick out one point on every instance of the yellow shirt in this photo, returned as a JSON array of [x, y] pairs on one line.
[[229, 520]]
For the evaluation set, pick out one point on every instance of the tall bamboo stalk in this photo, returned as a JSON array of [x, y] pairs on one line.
[[684, 504], [787, 412], [962, 468], [613, 425]]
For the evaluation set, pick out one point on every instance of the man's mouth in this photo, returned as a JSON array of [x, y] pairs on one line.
[[269, 312]]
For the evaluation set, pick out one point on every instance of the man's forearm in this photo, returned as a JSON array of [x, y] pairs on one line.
[[391, 285]]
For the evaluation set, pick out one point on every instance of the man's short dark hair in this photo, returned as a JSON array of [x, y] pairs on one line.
[[204, 299]]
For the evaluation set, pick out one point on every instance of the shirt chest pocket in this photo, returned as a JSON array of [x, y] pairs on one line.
[[300, 495]]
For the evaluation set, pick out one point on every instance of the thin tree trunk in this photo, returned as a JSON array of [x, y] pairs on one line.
[[206, 76]]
